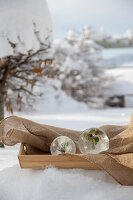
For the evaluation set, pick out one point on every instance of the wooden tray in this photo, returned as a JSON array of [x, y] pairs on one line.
[[58, 161]]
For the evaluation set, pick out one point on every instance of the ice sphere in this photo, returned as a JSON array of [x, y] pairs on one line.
[[93, 140], [62, 144]]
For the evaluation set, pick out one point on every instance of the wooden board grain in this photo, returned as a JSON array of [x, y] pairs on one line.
[[58, 161]]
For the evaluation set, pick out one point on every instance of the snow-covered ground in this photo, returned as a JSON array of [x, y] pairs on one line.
[[122, 84], [53, 184], [123, 81]]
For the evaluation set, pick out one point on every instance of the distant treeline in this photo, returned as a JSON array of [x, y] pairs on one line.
[[117, 44]]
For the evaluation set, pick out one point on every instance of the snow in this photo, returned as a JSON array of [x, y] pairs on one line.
[[59, 184], [122, 84], [56, 100], [123, 81], [53, 184], [129, 101], [80, 119], [24, 23], [8, 156]]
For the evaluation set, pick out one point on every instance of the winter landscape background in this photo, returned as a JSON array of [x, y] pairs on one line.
[[109, 102]]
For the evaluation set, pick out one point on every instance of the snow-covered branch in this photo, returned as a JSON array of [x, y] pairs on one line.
[[25, 52]]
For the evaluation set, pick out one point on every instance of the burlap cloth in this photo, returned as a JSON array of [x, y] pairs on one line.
[[117, 161]]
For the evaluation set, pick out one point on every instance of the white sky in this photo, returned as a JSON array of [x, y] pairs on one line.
[[116, 16]]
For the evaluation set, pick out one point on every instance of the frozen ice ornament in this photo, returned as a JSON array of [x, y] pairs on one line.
[[62, 144], [93, 140]]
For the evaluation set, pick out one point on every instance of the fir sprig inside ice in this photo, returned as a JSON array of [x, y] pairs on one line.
[[62, 144], [93, 140]]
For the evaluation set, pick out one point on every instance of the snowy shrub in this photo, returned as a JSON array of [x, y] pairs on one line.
[[25, 39], [81, 68]]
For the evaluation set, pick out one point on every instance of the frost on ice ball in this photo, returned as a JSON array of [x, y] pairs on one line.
[[62, 144], [93, 140]]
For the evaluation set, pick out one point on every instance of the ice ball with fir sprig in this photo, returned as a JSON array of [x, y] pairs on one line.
[[93, 140], [61, 145]]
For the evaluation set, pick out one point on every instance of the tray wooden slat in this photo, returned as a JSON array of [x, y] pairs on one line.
[[58, 161]]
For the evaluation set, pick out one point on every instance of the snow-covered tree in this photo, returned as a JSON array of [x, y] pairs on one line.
[[25, 42], [81, 67], [107, 40]]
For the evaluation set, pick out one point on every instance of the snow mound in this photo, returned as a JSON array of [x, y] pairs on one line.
[[123, 81], [24, 24], [55, 100], [60, 184]]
